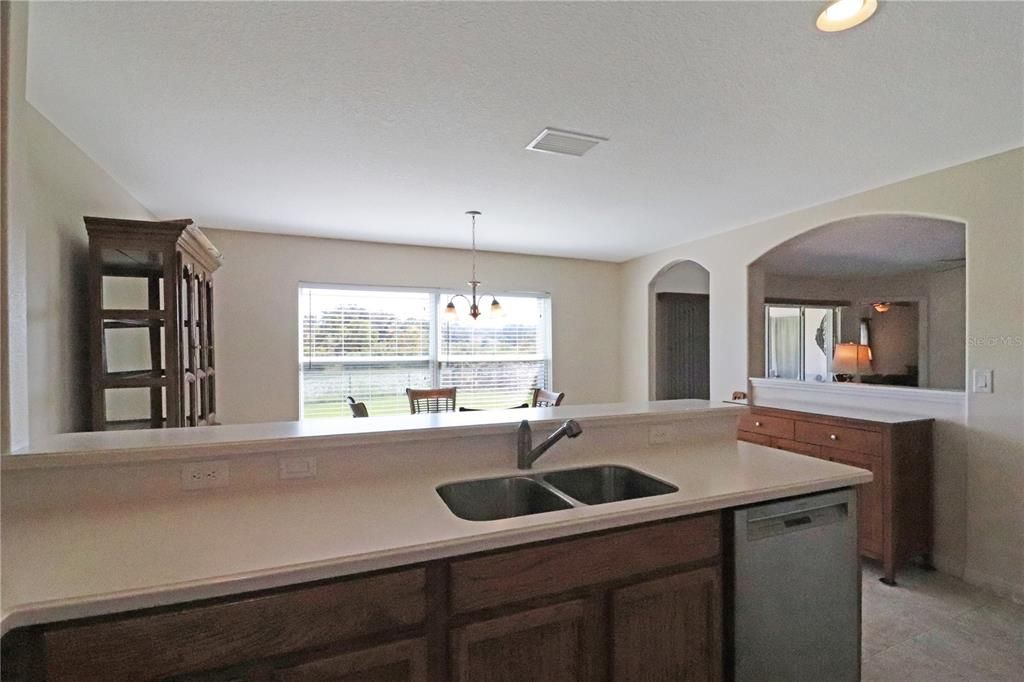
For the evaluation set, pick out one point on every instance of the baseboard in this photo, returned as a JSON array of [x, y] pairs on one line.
[[1003, 588], [944, 564]]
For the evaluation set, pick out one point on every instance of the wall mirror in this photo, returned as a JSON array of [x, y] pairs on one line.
[[874, 299]]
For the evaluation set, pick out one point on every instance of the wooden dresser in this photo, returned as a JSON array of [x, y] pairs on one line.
[[895, 510]]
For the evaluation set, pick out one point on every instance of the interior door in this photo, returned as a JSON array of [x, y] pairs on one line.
[[683, 347]]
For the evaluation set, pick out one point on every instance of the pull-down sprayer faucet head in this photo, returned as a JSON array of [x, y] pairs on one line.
[[527, 454]]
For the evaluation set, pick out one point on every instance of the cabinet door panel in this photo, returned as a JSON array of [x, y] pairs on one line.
[[669, 628], [404, 661], [870, 498], [555, 644]]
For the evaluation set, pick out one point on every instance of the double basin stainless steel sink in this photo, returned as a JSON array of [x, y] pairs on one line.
[[491, 499]]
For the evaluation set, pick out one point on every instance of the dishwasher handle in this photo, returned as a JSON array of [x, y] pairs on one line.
[[797, 520]]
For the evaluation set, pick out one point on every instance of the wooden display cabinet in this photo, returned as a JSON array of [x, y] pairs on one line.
[[166, 269]]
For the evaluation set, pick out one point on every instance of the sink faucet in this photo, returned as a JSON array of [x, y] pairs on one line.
[[527, 454]]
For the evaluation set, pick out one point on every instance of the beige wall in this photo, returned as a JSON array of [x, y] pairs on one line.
[[53, 184], [681, 278], [257, 310], [985, 195]]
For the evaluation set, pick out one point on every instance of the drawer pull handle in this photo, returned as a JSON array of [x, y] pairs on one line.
[[757, 423], [833, 436]]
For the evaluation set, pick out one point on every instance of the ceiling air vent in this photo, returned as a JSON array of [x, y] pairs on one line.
[[556, 141]]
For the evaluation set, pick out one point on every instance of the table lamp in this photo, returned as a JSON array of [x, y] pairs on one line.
[[851, 359]]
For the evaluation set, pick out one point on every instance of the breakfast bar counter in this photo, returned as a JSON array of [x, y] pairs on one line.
[[370, 509]]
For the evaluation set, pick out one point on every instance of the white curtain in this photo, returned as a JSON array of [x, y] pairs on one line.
[[784, 347]]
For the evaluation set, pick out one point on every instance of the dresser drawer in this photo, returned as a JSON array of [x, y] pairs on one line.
[[798, 447], [778, 427], [844, 438], [557, 567], [756, 438]]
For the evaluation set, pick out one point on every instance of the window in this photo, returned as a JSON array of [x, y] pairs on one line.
[[800, 341], [372, 344]]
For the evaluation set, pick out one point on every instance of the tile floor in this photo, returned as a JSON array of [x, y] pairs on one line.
[[934, 627]]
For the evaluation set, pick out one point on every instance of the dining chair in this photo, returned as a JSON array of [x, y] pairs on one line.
[[431, 399], [542, 398], [358, 408]]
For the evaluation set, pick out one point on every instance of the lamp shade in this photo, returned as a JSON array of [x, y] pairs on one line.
[[852, 358]]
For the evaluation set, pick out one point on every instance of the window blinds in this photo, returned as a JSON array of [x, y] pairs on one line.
[[373, 344], [367, 344], [496, 361]]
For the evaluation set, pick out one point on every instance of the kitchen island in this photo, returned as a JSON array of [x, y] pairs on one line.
[[117, 555]]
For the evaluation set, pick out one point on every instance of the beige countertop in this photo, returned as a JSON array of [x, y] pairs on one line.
[[843, 411], [77, 563], [114, 447]]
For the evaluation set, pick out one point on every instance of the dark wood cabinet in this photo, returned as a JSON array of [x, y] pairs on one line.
[[550, 569], [153, 278], [210, 636], [637, 603], [404, 661], [557, 643], [667, 628], [895, 509]]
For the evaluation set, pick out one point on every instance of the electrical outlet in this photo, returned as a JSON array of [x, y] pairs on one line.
[[297, 467], [659, 434], [201, 475]]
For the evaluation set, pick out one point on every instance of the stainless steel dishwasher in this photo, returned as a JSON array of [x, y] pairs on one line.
[[796, 589]]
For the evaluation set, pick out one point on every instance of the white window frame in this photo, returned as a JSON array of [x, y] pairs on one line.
[[802, 307], [437, 296]]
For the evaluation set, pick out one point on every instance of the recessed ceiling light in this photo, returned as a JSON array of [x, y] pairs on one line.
[[843, 14]]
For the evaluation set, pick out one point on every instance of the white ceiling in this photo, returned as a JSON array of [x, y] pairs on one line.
[[870, 246], [386, 121]]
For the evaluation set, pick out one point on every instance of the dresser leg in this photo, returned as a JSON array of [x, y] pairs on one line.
[[889, 570]]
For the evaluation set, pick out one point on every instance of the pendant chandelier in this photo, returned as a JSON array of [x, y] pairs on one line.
[[450, 312]]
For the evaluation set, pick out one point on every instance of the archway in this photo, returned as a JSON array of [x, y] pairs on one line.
[[893, 283], [680, 306]]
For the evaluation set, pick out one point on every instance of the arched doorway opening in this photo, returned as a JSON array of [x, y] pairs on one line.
[[895, 285], [680, 315]]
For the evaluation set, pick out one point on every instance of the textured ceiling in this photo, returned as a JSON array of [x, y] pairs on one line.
[[385, 122], [870, 246]]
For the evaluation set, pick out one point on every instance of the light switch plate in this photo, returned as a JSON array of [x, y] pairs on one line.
[[297, 467], [981, 380]]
